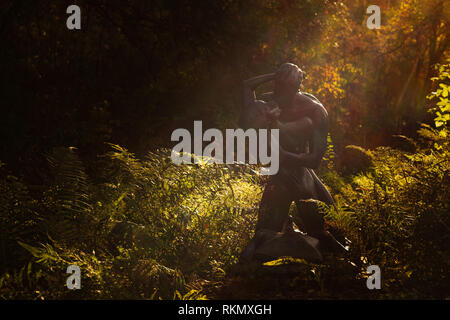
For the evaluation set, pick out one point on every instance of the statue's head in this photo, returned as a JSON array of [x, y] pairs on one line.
[[288, 79]]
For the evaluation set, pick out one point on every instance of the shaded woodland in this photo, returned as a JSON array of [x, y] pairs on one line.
[[85, 125]]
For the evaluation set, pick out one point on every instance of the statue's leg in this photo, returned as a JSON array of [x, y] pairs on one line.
[[272, 215], [313, 220], [274, 207], [308, 219], [322, 192]]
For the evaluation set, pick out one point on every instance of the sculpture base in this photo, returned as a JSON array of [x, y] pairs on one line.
[[270, 245]]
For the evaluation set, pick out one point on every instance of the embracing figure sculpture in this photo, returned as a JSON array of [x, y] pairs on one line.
[[303, 128]]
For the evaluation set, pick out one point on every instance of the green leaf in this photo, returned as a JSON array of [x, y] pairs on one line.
[[36, 252]]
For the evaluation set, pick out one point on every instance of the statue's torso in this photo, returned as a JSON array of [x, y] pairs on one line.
[[299, 178], [301, 108]]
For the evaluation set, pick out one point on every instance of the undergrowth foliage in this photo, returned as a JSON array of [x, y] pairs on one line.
[[150, 229], [186, 222], [147, 228], [396, 215]]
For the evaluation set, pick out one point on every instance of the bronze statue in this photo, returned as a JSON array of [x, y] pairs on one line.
[[303, 124]]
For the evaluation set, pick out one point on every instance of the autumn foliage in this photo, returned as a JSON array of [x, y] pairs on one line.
[[85, 172]]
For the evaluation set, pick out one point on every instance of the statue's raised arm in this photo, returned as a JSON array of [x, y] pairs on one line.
[[254, 112]]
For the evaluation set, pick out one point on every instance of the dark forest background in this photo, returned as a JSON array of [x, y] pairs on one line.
[[139, 69], [86, 115]]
